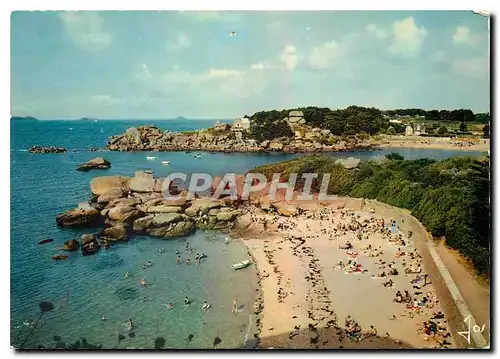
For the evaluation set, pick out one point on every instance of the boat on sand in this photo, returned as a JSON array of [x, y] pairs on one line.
[[241, 264]]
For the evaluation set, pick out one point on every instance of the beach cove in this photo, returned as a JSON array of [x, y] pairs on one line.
[[50, 184]]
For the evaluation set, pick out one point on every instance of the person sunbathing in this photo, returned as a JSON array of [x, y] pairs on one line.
[[388, 283], [348, 245], [393, 271], [399, 297]]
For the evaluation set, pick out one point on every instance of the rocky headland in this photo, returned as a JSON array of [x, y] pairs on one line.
[[299, 137]]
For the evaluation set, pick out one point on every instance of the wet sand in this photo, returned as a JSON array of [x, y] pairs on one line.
[[307, 296]]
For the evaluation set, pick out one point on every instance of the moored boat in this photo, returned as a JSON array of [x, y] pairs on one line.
[[150, 158], [241, 264]]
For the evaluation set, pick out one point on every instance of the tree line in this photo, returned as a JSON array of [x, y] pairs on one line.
[[267, 125]]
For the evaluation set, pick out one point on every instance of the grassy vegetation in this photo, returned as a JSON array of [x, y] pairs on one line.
[[450, 197]]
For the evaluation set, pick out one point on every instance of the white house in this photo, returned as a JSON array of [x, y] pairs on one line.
[[241, 124]]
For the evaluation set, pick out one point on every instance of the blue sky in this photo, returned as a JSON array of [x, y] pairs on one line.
[[169, 64]]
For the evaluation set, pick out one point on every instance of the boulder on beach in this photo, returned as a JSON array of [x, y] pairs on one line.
[[98, 163], [101, 185], [285, 209], [115, 233], [71, 245], [243, 221], [78, 217]]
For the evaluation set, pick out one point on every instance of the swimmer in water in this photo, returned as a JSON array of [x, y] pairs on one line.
[[149, 264], [143, 282], [187, 245], [127, 275], [103, 317], [176, 251], [235, 306], [205, 305], [186, 301], [178, 259], [170, 305], [187, 261]]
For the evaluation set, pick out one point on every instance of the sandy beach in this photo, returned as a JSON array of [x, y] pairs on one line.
[[335, 276], [436, 143]]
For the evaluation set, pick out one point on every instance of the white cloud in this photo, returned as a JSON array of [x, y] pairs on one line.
[[212, 16], [86, 29], [379, 33], [463, 35], [104, 100], [289, 57], [474, 67], [180, 42], [222, 73], [322, 56], [407, 38], [439, 56]]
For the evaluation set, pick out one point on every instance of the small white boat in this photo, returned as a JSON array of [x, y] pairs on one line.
[[241, 264], [150, 158], [165, 162]]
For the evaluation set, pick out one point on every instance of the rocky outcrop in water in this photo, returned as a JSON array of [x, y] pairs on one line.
[[98, 163], [51, 149], [71, 245], [77, 217], [132, 205], [151, 138]]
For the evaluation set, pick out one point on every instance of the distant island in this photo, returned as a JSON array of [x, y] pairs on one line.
[[23, 118]]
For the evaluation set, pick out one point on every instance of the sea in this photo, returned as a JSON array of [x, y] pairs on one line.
[[92, 297]]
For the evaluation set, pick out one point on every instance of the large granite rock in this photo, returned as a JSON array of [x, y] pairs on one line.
[[243, 221], [170, 225], [142, 182], [101, 185], [115, 233], [98, 163], [112, 194], [164, 209], [201, 206], [78, 217], [227, 215], [122, 214], [89, 243]]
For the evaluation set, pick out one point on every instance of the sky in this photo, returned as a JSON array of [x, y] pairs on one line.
[[209, 64]]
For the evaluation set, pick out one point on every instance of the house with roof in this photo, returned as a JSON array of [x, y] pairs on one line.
[[241, 124]]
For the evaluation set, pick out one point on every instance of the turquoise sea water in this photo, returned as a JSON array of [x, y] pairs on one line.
[[85, 288]]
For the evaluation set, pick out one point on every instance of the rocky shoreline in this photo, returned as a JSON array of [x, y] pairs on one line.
[[135, 205], [151, 138]]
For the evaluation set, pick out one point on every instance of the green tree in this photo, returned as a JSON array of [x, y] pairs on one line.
[[463, 127], [442, 130]]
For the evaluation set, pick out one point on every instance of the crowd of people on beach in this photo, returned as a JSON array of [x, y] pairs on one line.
[[340, 224]]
